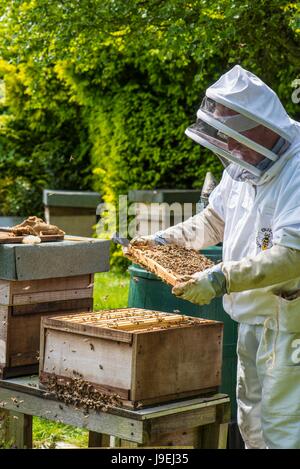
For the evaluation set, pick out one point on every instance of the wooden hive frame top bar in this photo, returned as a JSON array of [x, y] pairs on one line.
[[127, 319]]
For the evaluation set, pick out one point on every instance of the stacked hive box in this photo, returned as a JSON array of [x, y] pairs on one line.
[[45, 279], [73, 211], [156, 210], [144, 356]]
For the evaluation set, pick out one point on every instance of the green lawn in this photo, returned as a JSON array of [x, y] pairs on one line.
[[110, 291]]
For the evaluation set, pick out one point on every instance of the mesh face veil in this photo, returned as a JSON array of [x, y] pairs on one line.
[[246, 147]]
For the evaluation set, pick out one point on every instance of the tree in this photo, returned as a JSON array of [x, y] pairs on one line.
[[114, 84]]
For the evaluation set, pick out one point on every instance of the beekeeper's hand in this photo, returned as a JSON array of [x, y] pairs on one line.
[[202, 287], [149, 240]]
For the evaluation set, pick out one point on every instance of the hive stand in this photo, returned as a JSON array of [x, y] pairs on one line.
[[197, 423]]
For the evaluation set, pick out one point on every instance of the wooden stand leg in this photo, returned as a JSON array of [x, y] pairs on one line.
[[98, 440], [16, 430], [214, 435]]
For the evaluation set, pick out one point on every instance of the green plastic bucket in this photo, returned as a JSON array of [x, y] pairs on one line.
[[149, 292]]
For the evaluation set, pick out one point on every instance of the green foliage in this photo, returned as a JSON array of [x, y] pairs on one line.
[[42, 141], [112, 86]]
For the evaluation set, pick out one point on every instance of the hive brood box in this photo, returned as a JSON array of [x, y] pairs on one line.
[[144, 356], [22, 305]]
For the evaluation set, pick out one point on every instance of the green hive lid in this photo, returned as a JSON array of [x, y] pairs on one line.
[[165, 195], [54, 198], [56, 259]]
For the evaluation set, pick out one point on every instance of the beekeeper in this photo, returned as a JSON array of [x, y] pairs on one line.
[[255, 211]]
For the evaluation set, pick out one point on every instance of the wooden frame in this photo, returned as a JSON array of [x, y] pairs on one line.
[[138, 256], [19, 239]]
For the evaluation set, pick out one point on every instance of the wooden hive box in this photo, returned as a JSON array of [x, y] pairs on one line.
[[23, 303], [73, 211], [43, 279], [144, 356]]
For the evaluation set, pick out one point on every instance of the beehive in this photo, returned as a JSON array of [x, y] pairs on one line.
[[22, 305], [45, 279], [144, 356]]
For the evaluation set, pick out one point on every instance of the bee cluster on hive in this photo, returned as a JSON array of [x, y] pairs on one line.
[[78, 392]]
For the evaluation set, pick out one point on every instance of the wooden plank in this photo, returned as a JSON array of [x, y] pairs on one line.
[[15, 429], [83, 304], [50, 284], [2, 351], [179, 406], [182, 439], [10, 372], [23, 358], [98, 440], [19, 239], [45, 297], [213, 436], [5, 292], [35, 291], [187, 420], [87, 329], [216, 434], [3, 334], [101, 361], [30, 385], [20, 430], [133, 404], [101, 422], [177, 361]]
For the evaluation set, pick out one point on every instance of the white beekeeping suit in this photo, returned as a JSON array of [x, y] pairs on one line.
[[255, 211]]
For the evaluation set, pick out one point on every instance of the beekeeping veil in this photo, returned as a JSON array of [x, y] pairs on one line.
[[236, 106]]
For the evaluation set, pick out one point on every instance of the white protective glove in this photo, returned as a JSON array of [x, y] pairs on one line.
[[202, 287], [149, 240]]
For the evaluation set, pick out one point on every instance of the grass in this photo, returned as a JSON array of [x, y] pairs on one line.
[[110, 291]]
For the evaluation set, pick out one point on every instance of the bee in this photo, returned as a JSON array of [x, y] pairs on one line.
[[266, 241]]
